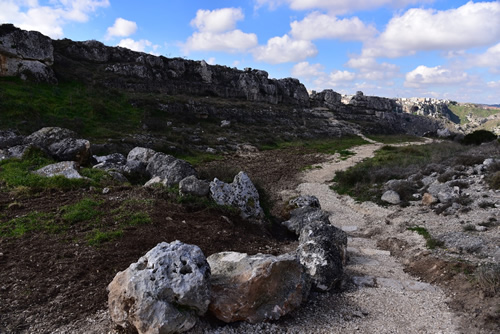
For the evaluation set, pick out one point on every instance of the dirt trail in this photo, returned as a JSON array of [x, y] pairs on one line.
[[390, 300]]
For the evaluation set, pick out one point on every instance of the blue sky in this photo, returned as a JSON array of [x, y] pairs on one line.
[[394, 48]]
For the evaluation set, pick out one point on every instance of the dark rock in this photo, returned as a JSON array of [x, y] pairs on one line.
[[192, 186], [61, 144], [301, 217], [169, 168], [9, 138], [322, 251], [305, 201]]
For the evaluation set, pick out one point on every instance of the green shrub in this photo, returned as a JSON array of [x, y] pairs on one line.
[[100, 237], [478, 137], [431, 243], [85, 210], [488, 278]]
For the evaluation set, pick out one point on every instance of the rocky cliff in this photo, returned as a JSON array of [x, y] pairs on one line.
[[280, 105], [25, 53]]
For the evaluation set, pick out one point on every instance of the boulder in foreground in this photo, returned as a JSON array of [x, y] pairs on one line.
[[164, 292], [256, 288]]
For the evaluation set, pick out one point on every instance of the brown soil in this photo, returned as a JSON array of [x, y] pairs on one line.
[[49, 280]]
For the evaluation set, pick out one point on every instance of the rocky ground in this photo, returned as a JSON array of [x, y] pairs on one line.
[[393, 283]]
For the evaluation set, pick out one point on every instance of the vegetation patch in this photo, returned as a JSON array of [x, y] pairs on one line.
[[431, 243], [463, 110], [18, 173], [34, 221], [99, 237], [478, 137], [90, 111], [85, 210], [365, 181], [395, 139], [488, 278], [326, 145]]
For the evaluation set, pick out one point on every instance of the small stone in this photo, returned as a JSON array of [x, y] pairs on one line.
[[481, 228], [391, 197], [105, 191]]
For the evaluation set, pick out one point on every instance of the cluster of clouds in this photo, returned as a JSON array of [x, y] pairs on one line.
[[453, 33], [49, 20]]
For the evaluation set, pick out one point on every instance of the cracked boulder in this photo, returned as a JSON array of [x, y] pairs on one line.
[[164, 292], [256, 288], [61, 144], [241, 193], [322, 251]]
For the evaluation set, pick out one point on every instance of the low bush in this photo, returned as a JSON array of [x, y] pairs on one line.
[[478, 137], [488, 278]]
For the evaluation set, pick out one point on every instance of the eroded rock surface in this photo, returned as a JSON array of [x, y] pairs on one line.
[[256, 288], [164, 292], [241, 193]]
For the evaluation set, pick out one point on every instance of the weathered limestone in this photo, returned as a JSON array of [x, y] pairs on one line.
[[322, 251], [169, 168], [26, 54], [191, 185], [164, 292], [256, 288], [303, 216], [61, 144], [68, 169], [391, 197], [241, 193]]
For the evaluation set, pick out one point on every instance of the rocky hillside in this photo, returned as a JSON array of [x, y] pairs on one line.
[[179, 91]]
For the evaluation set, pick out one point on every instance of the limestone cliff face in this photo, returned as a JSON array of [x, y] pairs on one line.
[[27, 54], [122, 68], [31, 55]]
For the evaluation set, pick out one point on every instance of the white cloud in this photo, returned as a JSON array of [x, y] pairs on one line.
[[493, 84], [317, 25], [370, 69], [284, 49], [218, 20], [424, 76], [339, 76], [48, 19], [338, 6], [139, 46], [306, 70], [231, 41], [216, 32], [471, 25], [491, 58], [211, 61], [121, 28]]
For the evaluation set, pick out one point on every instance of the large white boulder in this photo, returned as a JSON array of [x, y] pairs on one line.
[[164, 292]]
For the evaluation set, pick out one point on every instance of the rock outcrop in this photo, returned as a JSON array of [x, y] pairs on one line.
[[164, 292], [61, 144], [67, 169], [26, 54], [241, 194], [256, 288]]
